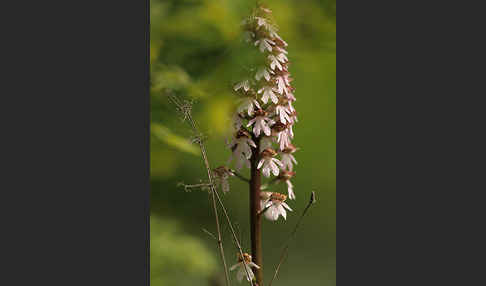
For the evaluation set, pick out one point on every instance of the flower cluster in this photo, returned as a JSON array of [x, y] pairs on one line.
[[266, 116], [241, 267], [273, 205]]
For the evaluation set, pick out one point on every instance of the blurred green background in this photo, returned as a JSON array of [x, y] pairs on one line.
[[196, 51]]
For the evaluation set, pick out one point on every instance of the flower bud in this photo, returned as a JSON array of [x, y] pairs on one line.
[[269, 152]]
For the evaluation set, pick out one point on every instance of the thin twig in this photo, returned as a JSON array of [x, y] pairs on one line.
[[292, 234], [209, 233], [239, 176], [188, 188], [232, 230], [187, 115]]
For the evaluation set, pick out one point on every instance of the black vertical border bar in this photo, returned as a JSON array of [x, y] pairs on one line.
[[410, 207], [74, 148]]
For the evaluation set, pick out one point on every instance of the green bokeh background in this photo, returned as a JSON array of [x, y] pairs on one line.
[[196, 51]]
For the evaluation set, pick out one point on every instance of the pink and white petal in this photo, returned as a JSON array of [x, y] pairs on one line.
[[274, 98], [266, 171], [277, 161], [275, 169], [225, 186], [234, 266], [240, 274], [293, 158], [257, 128], [260, 163], [272, 214], [282, 211], [252, 264], [267, 130], [267, 75], [269, 214], [286, 206], [291, 193], [250, 273], [252, 144], [256, 103], [282, 117]]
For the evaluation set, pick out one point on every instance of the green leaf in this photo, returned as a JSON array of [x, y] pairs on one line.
[[164, 134]]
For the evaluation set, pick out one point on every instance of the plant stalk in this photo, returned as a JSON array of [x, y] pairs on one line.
[[255, 219]]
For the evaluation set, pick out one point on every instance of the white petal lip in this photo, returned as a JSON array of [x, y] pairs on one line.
[[260, 163], [286, 206], [291, 193], [266, 171], [257, 127], [262, 72], [234, 266], [261, 21], [282, 211], [241, 273], [274, 62], [277, 161], [267, 75], [270, 213], [225, 186], [256, 103], [252, 264], [274, 167], [264, 44], [267, 130], [274, 98], [282, 58], [245, 84], [293, 158], [280, 84]]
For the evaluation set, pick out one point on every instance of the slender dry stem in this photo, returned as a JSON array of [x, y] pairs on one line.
[[214, 194], [292, 234], [187, 115]]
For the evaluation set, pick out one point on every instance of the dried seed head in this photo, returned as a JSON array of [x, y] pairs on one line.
[[278, 197], [269, 152], [246, 256]]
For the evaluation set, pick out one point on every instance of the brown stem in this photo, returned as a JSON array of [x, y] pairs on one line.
[[255, 219]]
